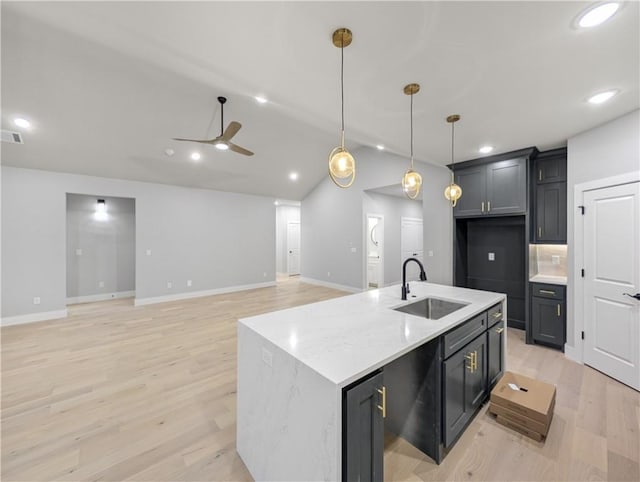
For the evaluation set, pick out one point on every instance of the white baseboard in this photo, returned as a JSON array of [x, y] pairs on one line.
[[33, 317], [326, 284], [573, 353], [197, 294], [100, 297]]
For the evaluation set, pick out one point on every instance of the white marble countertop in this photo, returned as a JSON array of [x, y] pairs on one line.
[[554, 280], [345, 338]]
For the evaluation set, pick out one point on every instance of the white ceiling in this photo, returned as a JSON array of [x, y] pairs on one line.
[[108, 84]]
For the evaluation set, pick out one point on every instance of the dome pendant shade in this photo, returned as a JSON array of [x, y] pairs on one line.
[[342, 165], [411, 183], [453, 192]]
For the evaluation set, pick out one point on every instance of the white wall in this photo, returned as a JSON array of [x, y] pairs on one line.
[[393, 209], [284, 214], [217, 239], [605, 151], [333, 220], [107, 247]]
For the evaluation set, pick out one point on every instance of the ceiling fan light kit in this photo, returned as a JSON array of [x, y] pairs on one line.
[[223, 141], [453, 192], [342, 165], [412, 180]]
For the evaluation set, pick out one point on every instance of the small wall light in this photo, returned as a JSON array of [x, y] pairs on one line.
[[101, 211]]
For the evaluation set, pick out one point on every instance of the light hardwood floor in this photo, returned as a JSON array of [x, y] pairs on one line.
[[122, 393]]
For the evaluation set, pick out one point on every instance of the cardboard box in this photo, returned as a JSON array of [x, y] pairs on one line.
[[526, 397], [519, 428], [521, 420]]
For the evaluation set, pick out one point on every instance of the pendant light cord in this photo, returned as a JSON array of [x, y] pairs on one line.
[[342, 85], [411, 110], [453, 162]]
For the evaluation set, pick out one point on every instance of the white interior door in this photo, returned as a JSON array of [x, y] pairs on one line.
[[612, 268], [375, 251], [293, 248], [411, 245]]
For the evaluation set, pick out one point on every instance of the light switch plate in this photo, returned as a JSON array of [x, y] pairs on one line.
[[189, 282], [78, 252], [169, 284], [492, 256], [36, 300], [101, 284], [148, 252]]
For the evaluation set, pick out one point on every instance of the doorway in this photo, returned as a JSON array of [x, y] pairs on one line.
[[411, 245], [288, 239], [611, 263], [375, 251], [100, 261]]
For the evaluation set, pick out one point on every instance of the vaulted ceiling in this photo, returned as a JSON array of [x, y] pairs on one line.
[[106, 85]]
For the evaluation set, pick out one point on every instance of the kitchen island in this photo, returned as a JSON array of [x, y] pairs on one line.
[[295, 366]]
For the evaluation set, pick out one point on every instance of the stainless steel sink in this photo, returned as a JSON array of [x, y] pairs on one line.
[[432, 308]]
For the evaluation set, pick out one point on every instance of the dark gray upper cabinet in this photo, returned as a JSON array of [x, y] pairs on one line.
[[550, 197], [493, 186], [363, 431]]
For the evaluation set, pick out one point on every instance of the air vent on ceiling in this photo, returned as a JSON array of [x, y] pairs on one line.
[[11, 137]]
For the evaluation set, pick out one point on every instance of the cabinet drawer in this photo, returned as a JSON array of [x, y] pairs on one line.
[[494, 315], [460, 336], [554, 292]]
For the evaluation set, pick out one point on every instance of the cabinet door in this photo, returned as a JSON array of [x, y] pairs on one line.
[[363, 432], [472, 180], [551, 212], [553, 169], [506, 187], [464, 387], [495, 354], [548, 321]]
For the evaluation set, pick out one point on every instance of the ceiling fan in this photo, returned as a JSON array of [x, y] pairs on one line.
[[223, 141]]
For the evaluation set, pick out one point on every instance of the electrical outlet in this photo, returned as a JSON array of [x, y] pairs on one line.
[[328, 274], [492, 256], [169, 284], [264, 275], [555, 259], [189, 282], [78, 252], [431, 254], [353, 250], [148, 252], [267, 357], [100, 284], [36, 300]]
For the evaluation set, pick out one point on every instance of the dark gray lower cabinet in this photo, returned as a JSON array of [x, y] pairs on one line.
[[548, 321], [363, 429], [465, 387], [495, 344]]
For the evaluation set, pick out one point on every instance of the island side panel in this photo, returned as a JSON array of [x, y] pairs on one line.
[[289, 416]]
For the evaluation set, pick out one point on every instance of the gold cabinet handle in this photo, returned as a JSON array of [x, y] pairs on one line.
[[539, 232], [548, 292], [488, 206], [470, 366], [558, 310], [499, 330], [540, 175], [383, 408], [497, 314], [482, 207]]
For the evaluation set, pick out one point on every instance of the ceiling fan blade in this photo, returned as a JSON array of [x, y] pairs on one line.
[[210, 141], [239, 150], [231, 130]]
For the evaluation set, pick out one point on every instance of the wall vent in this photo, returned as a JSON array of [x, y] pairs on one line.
[[12, 137]]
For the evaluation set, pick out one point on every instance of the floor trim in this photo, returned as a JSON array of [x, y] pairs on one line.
[[326, 284], [100, 297], [198, 294], [573, 353], [33, 317]]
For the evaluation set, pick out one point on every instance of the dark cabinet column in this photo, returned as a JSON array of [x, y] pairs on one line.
[[363, 431]]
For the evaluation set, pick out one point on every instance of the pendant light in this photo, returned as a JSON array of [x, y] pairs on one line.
[[342, 165], [411, 181], [453, 192]]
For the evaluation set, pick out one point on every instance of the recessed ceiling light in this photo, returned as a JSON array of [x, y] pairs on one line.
[[195, 156], [223, 146], [169, 152], [276, 203], [20, 122], [260, 100], [598, 14], [602, 97], [380, 147], [293, 176], [485, 149]]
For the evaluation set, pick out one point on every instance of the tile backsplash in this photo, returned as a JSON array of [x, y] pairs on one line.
[[547, 259]]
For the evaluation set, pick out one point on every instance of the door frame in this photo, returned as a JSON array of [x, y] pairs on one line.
[[366, 250], [576, 296]]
